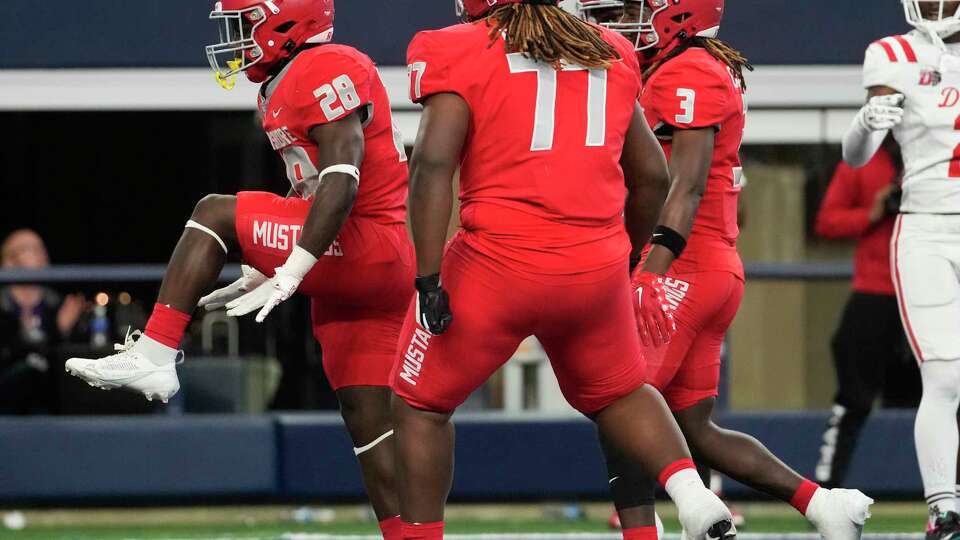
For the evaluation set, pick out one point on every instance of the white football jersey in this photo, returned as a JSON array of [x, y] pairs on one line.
[[929, 135]]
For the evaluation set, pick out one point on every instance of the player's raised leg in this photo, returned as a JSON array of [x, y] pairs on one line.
[[838, 514], [631, 416], [148, 364]]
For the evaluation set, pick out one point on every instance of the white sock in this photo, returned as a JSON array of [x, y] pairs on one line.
[[156, 352], [699, 507], [936, 435], [683, 483]]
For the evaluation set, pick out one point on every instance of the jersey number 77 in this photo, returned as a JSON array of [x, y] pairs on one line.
[[545, 111]]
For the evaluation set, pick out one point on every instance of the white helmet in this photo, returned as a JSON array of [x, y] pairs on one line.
[[944, 25]]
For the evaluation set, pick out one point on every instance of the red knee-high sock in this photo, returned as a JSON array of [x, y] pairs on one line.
[[673, 468], [392, 528], [423, 531], [640, 533], [801, 499], [167, 325]]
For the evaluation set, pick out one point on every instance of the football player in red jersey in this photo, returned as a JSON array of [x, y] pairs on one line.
[[694, 100], [539, 111], [339, 237]]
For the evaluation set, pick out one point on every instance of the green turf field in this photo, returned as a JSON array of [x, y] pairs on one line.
[[278, 522]]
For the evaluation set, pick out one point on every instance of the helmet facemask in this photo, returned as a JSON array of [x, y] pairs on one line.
[[237, 50], [637, 23], [602, 12], [633, 19], [942, 24]]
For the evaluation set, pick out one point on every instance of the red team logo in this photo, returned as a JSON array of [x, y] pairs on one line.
[[950, 96], [930, 77]]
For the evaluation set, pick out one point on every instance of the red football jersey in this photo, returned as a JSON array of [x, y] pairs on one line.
[[695, 90], [325, 84], [541, 187]]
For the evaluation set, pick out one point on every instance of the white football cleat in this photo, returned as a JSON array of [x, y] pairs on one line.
[[839, 514], [129, 369], [711, 520]]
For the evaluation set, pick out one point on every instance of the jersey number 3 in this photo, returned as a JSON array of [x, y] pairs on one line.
[[546, 109]]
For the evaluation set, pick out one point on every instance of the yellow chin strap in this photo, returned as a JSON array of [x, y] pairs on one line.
[[227, 83]]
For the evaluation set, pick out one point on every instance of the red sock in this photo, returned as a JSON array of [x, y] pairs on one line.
[[674, 468], [167, 325], [423, 531], [801, 499], [640, 533], [392, 528]]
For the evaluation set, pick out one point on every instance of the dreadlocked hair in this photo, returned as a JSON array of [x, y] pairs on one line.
[[733, 58], [551, 35]]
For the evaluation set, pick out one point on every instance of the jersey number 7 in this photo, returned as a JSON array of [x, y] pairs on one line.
[[546, 109]]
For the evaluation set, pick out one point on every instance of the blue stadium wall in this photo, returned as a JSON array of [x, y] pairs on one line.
[[120, 33], [297, 457]]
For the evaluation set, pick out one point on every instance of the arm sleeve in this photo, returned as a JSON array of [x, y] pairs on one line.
[[840, 216], [879, 69], [861, 143], [330, 88], [429, 68]]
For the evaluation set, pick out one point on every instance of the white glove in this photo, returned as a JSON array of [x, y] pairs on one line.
[[882, 112], [280, 287], [249, 280]]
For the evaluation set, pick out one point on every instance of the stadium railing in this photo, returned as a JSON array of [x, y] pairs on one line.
[[146, 273]]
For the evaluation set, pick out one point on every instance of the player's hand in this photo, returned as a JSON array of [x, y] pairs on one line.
[[433, 305], [266, 296], [654, 316], [882, 112], [881, 203], [249, 280]]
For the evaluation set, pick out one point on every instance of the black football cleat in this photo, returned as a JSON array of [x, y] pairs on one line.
[[946, 527]]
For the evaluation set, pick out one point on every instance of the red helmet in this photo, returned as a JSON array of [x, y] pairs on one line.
[[474, 9], [255, 35], [660, 25]]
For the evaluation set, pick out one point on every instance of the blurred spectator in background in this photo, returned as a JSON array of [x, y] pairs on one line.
[[33, 321], [870, 352]]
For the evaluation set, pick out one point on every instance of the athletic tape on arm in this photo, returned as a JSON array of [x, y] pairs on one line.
[[342, 168]]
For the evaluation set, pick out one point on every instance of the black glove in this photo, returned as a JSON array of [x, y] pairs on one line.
[[433, 305], [891, 205]]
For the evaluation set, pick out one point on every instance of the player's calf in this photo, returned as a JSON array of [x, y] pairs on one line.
[[639, 425], [148, 364], [366, 413]]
